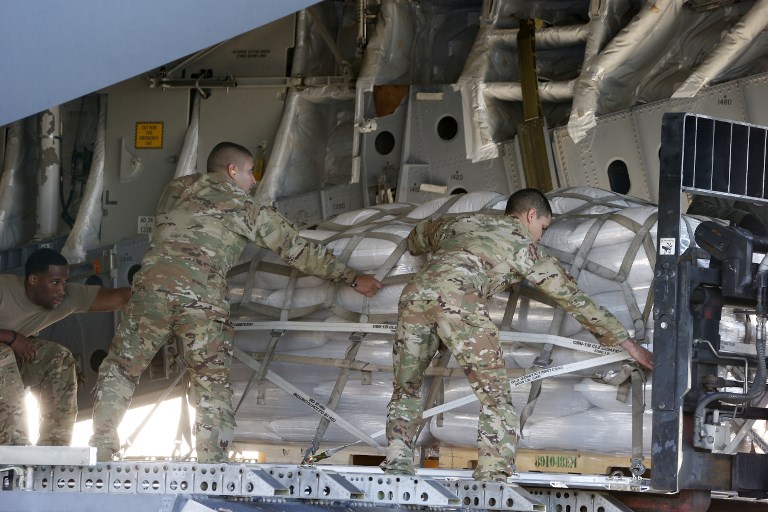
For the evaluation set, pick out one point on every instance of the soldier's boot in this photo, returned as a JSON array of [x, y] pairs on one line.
[[104, 454], [397, 468], [490, 470], [399, 459], [106, 446]]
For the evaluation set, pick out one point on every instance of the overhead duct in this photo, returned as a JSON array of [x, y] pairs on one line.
[[12, 188], [651, 28], [85, 233], [188, 158], [303, 159], [310, 149], [49, 169], [489, 78], [738, 39]]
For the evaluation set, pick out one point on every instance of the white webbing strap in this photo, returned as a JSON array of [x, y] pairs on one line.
[[308, 400], [561, 341], [545, 356], [525, 379]]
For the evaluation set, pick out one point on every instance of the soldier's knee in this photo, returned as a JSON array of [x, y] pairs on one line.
[[60, 356], [67, 359]]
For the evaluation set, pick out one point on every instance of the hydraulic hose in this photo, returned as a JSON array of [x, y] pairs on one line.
[[758, 383]]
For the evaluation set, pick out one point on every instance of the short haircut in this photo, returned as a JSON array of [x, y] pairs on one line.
[[527, 198], [39, 261], [223, 154]]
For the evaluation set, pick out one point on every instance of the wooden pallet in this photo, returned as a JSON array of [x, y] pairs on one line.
[[545, 461], [294, 453]]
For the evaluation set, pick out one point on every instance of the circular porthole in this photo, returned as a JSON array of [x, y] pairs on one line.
[[618, 176], [447, 128], [94, 281], [384, 143], [457, 191]]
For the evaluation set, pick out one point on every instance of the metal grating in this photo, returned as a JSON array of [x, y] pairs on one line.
[[267, 481], [724, 158]]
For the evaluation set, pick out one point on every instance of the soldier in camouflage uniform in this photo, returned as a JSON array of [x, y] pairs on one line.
[[203, 222], [475, 256], [27, 305]]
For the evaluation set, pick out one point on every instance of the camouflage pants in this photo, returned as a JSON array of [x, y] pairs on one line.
[[473, 339], [52, 376], [149, 321]]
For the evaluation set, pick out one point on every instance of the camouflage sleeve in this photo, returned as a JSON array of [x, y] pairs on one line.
[[549, 276], [171, 194], [273, 231], [425, 237]]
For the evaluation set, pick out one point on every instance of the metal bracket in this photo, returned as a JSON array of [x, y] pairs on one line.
[[574, 499], [637, 467]]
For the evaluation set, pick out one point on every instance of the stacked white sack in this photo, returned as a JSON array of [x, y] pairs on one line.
[[364, 239], [378, 231], [594, 430], [570, 414]]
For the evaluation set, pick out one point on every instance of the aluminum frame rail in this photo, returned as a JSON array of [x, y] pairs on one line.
[[163, 485], [267, 481]]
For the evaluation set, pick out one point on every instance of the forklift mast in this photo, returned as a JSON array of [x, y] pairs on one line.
[[702, 398]]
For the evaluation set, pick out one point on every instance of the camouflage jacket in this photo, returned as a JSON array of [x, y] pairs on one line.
[[478, 255], [203, 222]]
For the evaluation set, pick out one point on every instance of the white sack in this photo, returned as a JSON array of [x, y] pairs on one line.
[[558, 398]]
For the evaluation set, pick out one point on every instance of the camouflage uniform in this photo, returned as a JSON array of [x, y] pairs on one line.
[[51, 374], [203, 223], [474, 257]]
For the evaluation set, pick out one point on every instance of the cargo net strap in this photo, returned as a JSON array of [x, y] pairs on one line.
[[373, 241], [380, 233], [606, 240], [595, 212]]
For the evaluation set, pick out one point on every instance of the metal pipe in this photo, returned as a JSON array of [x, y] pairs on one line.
[[12, 188], [323, 31], [49, 168], [757, 387], [513, 91], [362, 27], [546, 38], [738, 39], [187, 163], [85, 232], [653, 26], [199, 55]]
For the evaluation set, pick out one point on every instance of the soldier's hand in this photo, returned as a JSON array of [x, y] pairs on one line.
[[640, 354], [24, 348], [366, 285]]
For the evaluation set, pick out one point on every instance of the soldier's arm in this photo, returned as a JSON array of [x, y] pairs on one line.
[[171, 194], [640, 354], [110, 299], [23, 347], [273, 231], [425, 237], [549, 276]]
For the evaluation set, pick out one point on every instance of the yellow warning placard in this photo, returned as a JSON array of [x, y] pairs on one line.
[[149, 135]]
